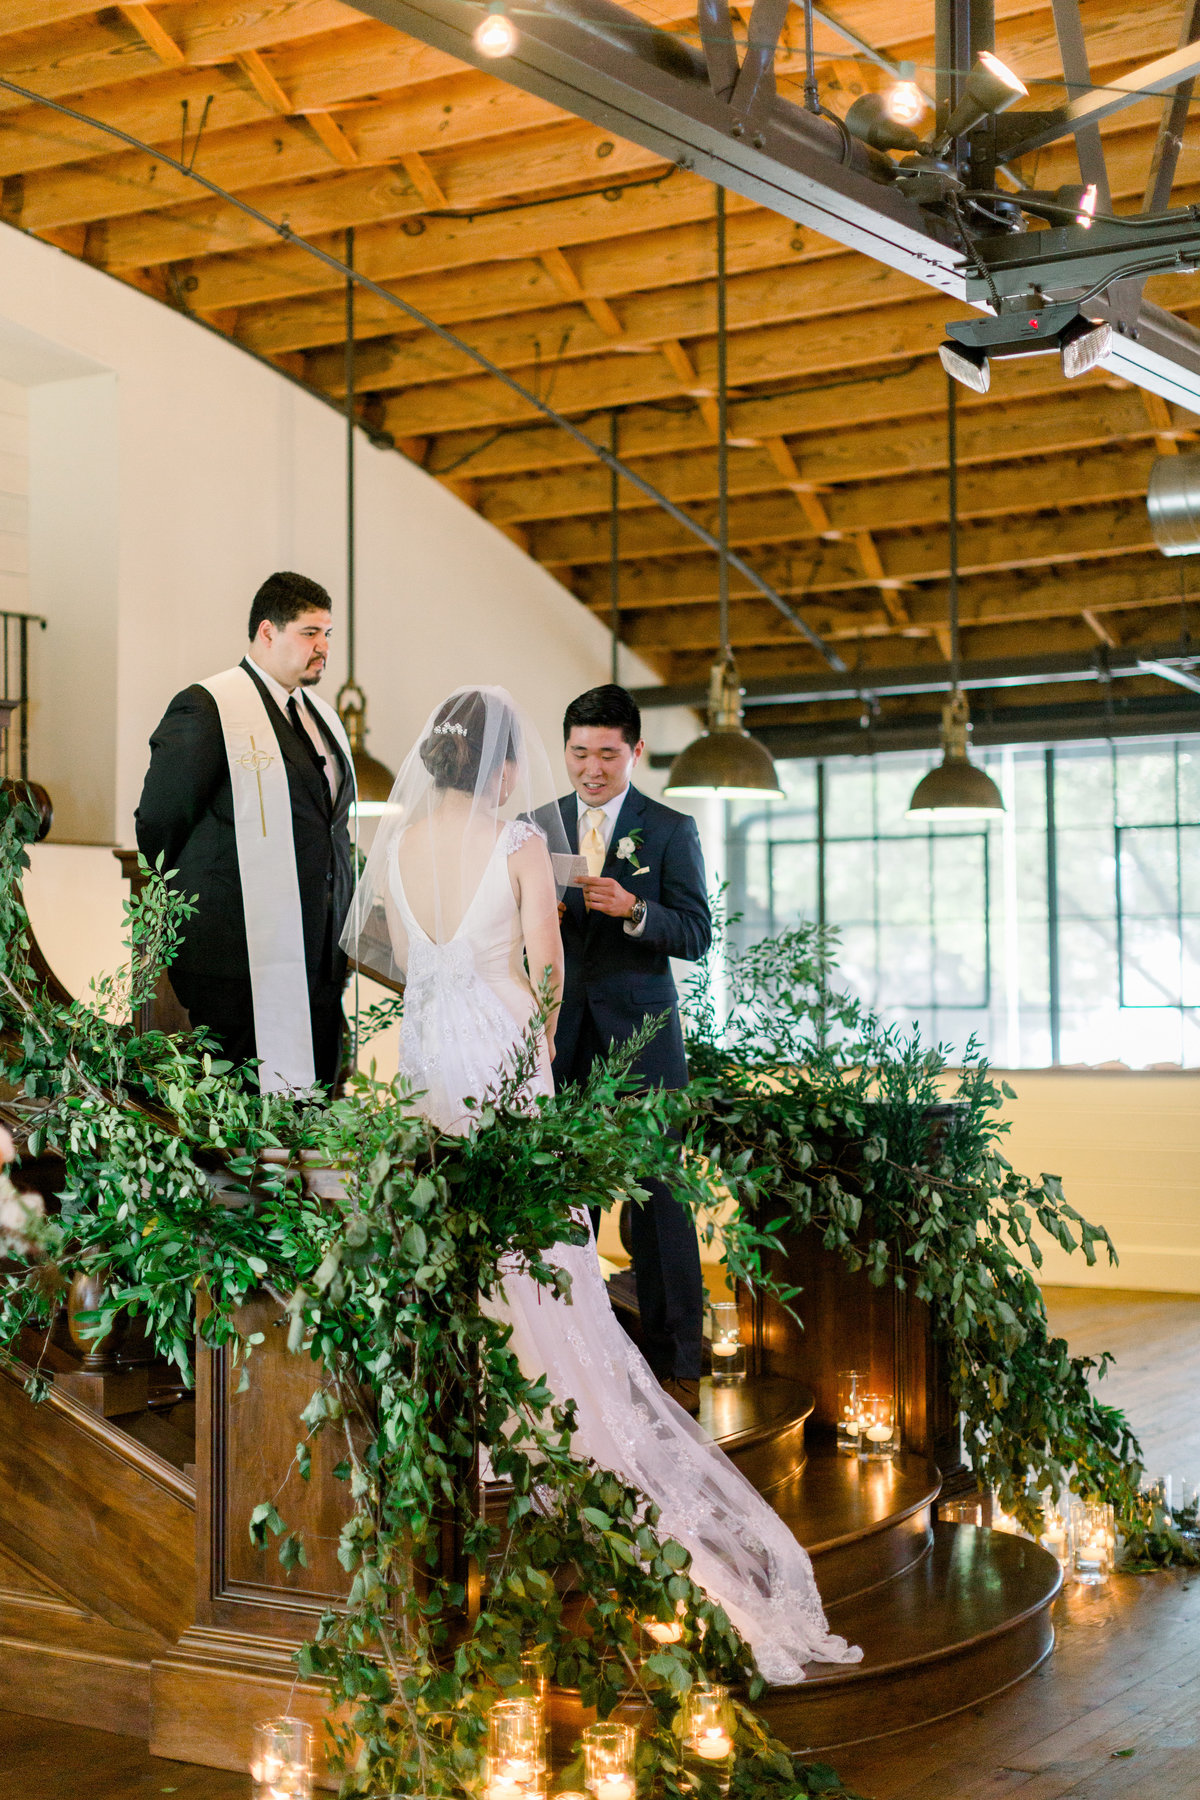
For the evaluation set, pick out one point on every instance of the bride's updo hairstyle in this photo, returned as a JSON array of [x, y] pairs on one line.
[[464, 748]]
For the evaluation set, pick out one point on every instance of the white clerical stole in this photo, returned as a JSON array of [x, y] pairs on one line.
[[262, 814]]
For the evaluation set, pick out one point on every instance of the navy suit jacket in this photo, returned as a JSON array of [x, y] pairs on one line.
[[620, 979]]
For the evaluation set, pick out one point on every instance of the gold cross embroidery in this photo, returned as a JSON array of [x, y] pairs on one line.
[[258, 760]]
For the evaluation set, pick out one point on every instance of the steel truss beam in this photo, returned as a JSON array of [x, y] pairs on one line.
[[601, 63], [1135, 715], [926, 678]]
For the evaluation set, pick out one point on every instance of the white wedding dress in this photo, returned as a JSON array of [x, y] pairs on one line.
[[467, 1003]]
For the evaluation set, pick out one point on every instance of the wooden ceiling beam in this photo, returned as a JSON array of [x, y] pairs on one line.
[[661, 318], [861, 514], [609, 269], [151, 32], [823, 345], [101, 49], [1052, 425], [1108, 596], [677, 578], [898, 555], [387, 255], [261, 160], [878, 406]]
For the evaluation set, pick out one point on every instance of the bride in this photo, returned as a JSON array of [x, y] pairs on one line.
[[459, 893]]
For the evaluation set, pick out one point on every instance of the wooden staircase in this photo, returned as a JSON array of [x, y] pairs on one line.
[[132, 1599], [946, 1615]]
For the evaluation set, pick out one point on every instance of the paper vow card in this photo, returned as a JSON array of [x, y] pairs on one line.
[[569, 871]]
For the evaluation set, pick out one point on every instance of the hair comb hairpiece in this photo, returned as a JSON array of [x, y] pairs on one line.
[[447, 730]]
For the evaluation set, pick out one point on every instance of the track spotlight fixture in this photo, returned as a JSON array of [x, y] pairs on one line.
[[990, 89], [872, 121], [973, 344], [967, 364], [495, 34], [1082, 344]]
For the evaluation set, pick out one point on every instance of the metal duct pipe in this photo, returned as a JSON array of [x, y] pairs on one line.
[[1173, 503]]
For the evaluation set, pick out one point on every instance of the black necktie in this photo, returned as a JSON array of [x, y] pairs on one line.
[[297, 724]]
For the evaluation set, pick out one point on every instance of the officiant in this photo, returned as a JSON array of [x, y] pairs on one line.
[[248, 799]]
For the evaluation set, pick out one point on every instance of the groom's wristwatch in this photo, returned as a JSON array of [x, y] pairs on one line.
[[637, 913]]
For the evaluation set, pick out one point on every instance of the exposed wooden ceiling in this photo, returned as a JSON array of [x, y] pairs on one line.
[[586, 266]]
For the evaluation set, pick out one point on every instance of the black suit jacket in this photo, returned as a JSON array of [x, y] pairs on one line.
[[616, 978], [186, 816]]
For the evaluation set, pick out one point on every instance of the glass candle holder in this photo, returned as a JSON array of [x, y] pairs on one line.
[[1093, 1541], [706, 1726], [281, 1760], [728, 1350], [877, 1421], [535, 1686], [849, 1424], [608, 1761], [516, 1770]]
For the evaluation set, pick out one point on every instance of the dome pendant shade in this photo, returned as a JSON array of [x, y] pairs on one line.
[[373, 780], [726, 763], [956, 789]]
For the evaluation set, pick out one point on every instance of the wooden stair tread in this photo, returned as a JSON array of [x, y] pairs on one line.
[[973, 1585], [836, 1500], [753, 1411]]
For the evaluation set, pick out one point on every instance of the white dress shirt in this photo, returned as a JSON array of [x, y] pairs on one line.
[[606, 827], [280, 696]]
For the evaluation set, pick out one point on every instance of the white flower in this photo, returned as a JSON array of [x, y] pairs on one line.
[[625, 849]]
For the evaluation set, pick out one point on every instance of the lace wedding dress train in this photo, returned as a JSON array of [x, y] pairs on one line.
[[467, 1002]]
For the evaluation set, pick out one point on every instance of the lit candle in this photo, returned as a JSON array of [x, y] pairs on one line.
[[504, 1785], [613, 1787], [879, 1434], [713, 1744], [725, 1346], [661, 1633]]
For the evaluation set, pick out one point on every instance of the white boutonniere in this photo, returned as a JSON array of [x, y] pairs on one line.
[[627, 851]]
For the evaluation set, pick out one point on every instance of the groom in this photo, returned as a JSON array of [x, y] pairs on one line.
[[644, 901], [248, 797]]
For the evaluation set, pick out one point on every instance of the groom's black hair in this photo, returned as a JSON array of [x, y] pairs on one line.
[[608, 705], [284, 596]]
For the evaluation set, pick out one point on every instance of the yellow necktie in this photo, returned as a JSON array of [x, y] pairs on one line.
[[593, 845]]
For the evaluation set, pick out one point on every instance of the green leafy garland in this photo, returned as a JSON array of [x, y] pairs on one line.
[[181, 1185], [828, 1114]]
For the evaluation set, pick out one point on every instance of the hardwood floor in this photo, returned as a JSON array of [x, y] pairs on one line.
[[1155, 1339], [1113, 1714]]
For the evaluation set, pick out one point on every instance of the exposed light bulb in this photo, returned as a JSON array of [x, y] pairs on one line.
[[904, 103], [1087, 207], [495, 34]]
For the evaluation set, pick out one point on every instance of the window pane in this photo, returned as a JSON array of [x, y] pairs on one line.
[[1149, 872], [1087, 873], [794, 883], [850, 881], [1146, 785], [1150, 954]]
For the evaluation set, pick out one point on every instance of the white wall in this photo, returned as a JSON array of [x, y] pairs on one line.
[[171, 474], [1126, 1143]]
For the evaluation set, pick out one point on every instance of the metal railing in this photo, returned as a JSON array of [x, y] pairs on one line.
[[14, 687]]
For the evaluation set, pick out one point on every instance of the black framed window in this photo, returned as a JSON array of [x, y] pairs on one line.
[[1068, 931]]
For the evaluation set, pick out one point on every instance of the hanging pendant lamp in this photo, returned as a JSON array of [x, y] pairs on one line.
[[726, 763], [957, 788], [373, 779]]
